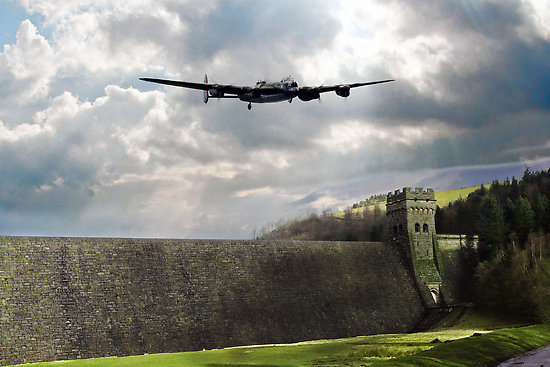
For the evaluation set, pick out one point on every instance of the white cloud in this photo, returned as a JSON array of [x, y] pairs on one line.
[[21, 132], [30, 63], [350, 136], [261, 191], [538, 14]]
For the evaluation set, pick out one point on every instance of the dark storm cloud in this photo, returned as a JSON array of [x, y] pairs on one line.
[[495, 19]]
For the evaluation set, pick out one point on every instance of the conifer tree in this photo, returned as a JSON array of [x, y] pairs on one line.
[[542, 213], [491, 227], [524, 219], [514, 190]]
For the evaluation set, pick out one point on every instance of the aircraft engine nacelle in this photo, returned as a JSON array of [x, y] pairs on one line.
[[307, 94], [343, 91], [216, 92]]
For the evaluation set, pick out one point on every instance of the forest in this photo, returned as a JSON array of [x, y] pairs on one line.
[[512, 220]]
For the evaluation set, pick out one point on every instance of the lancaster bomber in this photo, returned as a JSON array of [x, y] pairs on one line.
[[264, 92]]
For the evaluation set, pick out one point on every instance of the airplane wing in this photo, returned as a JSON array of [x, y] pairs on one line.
[[343, 90], [331, 88], [224, 88]]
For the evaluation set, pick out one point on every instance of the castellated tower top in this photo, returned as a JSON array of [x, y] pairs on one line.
[[408, 194], [407, 199]]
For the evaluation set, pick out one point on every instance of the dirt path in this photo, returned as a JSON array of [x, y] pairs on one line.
[[536, 358]]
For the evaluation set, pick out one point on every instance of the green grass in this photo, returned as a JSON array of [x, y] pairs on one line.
[[471, 319], [484, 350], [358, 351], [453, 346], [448, 196]]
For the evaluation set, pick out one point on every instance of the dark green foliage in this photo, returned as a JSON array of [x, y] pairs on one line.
[[525, 207], [513, 222], [524, 219], [514, 189], [542, 213], [517, 283], [509, 210], [491, 228]]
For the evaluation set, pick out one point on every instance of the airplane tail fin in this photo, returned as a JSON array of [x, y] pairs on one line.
[[205, 95]]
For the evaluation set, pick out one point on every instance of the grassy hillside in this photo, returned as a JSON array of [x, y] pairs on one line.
[[363, 350], [443, 199], [448, 196], [460, 347]]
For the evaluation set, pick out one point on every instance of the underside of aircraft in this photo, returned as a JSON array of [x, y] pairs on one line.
[[264, 92]]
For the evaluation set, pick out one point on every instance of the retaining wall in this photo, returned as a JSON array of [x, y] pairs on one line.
[[66, 298]]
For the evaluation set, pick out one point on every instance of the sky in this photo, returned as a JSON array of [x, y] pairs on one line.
[[87, 149]]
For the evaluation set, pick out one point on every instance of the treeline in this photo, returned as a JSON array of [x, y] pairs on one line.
[[502, 215], [373, 200], [516, 281], [368, 224], [512, 219]]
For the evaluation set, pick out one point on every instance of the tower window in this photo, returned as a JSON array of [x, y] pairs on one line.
[[425, 228], [400, 229], [417, 227]]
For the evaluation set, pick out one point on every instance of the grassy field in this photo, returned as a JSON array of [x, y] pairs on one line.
[[363, 350], [447, 347], [483, 350]]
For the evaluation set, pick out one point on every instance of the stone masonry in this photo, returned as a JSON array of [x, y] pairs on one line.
[[411, 215], [67, 298]]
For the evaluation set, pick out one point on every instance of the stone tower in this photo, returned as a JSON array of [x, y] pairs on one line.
[[411, 216]]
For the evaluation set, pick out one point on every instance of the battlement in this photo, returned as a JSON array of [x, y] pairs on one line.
[[408, 194]]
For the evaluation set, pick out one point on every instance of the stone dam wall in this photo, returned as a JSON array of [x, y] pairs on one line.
[[67, 298]]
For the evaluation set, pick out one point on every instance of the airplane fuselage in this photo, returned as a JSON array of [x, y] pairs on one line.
[[264, 92]]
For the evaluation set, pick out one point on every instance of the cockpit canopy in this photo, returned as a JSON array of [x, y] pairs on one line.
[[289, 80]]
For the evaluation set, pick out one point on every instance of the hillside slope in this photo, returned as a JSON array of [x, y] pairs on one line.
[[443, 199]]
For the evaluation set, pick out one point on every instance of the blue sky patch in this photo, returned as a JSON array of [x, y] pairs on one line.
[[11, 16]]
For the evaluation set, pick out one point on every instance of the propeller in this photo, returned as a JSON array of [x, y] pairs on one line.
[[205, 95]]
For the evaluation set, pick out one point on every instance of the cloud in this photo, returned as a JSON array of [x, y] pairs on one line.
[[23, 77], [308, 199], [89, 149]]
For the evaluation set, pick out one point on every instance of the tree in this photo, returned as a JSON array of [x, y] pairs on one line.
[[542, 213], [524, 219], [491, 227], [514, 190], [527, 177]]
